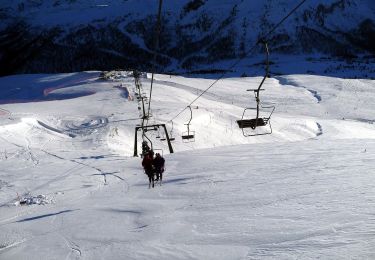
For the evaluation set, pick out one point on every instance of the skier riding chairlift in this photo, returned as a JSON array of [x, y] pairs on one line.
[[145, 148]]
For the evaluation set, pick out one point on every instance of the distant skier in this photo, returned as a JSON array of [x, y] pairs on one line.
[[159, 167], [147, 164]]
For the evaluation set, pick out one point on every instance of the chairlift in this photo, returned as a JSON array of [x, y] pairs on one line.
[[259, 120], [171, 138], [146, 137], [162, 137], [189, 136]]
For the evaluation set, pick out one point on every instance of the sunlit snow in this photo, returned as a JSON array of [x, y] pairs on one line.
[[304, 192]]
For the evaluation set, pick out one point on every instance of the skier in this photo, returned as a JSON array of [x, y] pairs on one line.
[[147, 164], [145, 148], [151, 153], [159, 167]]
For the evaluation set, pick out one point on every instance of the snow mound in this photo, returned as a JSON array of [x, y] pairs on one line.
[[30, 200]]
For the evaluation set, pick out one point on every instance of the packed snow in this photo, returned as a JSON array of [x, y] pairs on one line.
[[70, 187]]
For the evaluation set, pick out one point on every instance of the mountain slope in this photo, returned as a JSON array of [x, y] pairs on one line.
[[50, 36]]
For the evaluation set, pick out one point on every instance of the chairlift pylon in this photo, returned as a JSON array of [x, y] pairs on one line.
[[188, 136], [258, 121]]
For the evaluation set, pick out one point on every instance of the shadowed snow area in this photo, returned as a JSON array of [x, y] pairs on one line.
[[44, 87], [304, 192]]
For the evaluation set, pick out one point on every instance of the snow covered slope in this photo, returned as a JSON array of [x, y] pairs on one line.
[[304, 192]]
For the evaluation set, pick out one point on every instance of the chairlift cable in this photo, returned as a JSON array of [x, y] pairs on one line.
[[263, 38], [282, 20], [212, 84]]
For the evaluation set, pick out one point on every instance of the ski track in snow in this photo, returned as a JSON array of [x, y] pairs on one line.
[[285, 82], [304, 192], [73, 246]]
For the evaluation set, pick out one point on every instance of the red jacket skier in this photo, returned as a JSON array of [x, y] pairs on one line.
[[147, 164]]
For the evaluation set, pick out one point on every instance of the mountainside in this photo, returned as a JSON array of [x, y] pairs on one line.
[[75, 35]]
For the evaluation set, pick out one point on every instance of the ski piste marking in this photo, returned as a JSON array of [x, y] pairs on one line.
[[5, 247]]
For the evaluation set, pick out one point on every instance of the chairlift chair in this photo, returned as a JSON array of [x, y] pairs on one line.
[[171, 138], [162, 137], [258, 121], [188, 136], [171, 133], [150, 148]]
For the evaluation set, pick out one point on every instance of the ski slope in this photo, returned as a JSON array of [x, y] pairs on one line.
[[304, 192]]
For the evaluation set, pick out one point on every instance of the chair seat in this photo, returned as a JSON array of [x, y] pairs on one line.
[[187, 136], [252, 123]]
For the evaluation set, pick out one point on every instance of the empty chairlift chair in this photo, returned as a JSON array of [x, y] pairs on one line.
[[171, 133], [259, 120], [171, 138], [188, 136]]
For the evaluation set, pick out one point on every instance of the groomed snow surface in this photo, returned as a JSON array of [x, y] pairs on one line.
[[70, 188]]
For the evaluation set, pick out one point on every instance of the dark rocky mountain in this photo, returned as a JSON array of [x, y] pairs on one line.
[[74, 35]]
